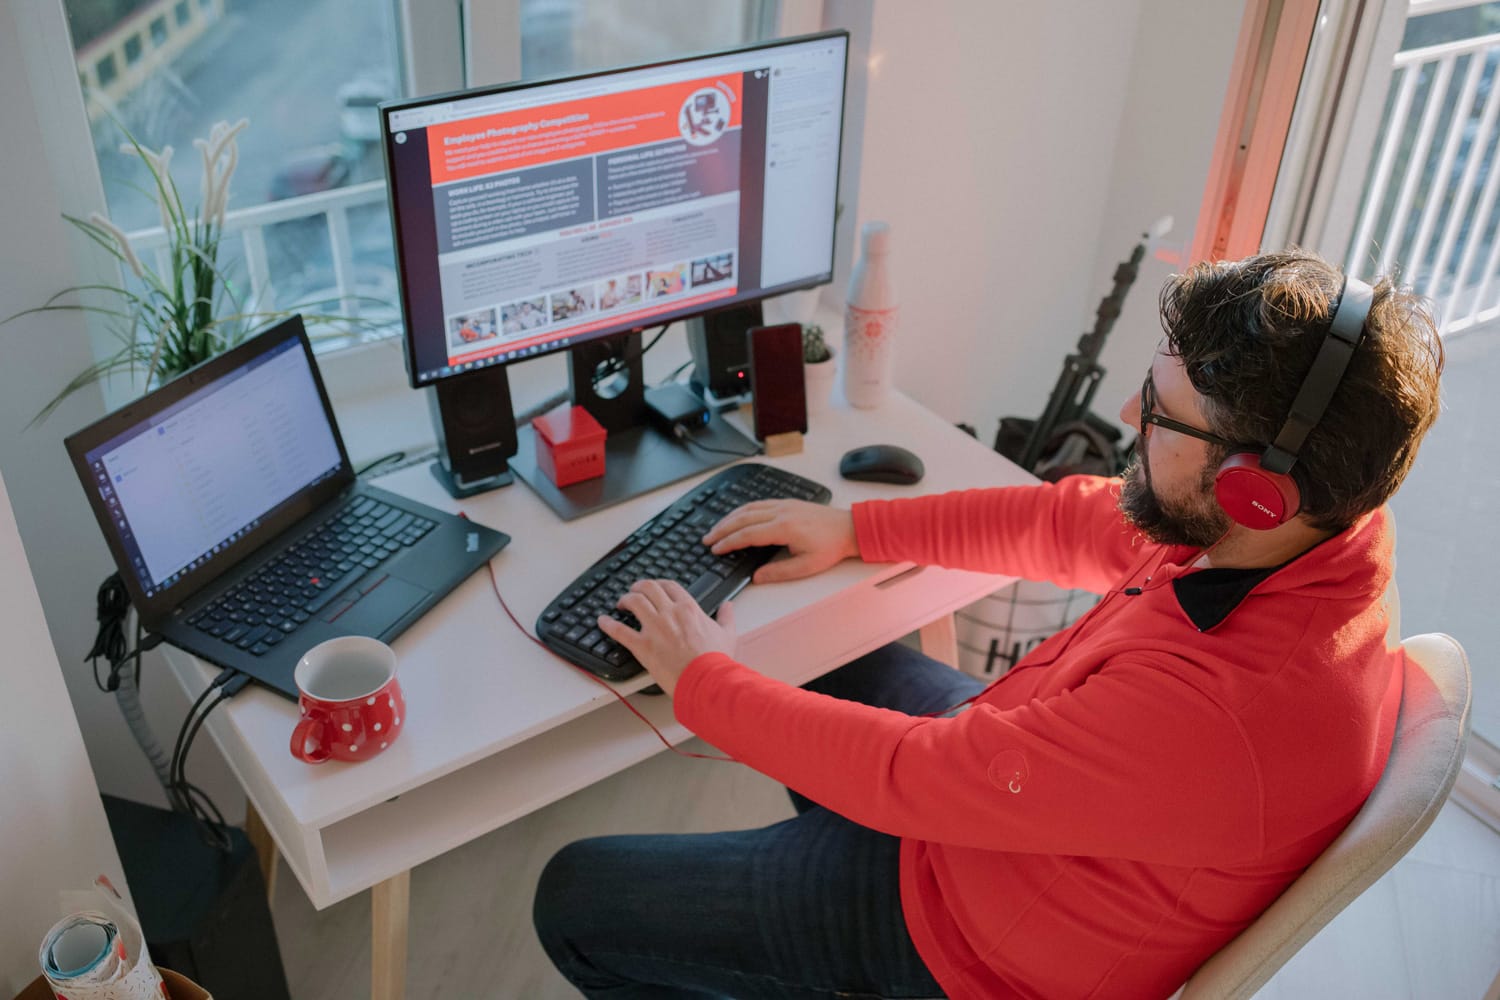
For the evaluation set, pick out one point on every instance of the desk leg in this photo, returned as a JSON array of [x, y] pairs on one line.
[[265, 848], [939, 640], [390, 902]]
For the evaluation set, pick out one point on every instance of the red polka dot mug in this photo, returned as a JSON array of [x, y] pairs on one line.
[[350, 700]]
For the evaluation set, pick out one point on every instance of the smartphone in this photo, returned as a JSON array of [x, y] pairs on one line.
[[779, 393]]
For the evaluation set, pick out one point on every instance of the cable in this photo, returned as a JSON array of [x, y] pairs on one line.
[[185, 796], [686, 436], [676, 372], [495, 582], [395, 456], [111, 606], [526, 416], [618, 364]]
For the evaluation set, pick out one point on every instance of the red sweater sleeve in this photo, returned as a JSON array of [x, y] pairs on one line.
[[1118, 767], [1069, 533]]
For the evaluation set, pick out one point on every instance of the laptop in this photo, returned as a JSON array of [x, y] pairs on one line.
[[239, 527]]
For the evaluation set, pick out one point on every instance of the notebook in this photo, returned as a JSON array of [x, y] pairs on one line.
[[239, 527]]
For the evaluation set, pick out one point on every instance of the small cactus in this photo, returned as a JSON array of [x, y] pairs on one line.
[[814, 349]]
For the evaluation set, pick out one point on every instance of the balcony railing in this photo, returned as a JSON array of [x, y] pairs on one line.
[[367, 291], [1429, 204]]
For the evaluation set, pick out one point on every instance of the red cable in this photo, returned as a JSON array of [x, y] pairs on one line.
[[495, 582]]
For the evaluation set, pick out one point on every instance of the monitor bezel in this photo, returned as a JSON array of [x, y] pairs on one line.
[[603, 333]]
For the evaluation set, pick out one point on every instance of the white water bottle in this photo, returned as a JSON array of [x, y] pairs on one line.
[[870, 321]]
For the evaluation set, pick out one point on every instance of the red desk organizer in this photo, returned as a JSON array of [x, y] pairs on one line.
[[569, 445]]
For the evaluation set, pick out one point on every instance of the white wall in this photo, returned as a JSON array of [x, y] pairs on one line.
[[1173, 99], [1017, 150], [51, 821]]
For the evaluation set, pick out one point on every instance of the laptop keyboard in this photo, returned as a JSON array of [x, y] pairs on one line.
[[304, 581], [669, 546]]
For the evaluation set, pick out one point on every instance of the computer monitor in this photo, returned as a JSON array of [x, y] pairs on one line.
[[573, 213]]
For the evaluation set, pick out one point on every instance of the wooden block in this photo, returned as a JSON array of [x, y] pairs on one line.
[[789, 443]]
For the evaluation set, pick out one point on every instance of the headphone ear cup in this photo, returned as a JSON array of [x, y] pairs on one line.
[[1252, 496]]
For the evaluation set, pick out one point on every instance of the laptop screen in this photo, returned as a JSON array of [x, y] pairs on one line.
[[184, 483]]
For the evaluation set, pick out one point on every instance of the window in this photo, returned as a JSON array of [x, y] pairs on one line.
[[310, 162], [561, 36], [311, 133]]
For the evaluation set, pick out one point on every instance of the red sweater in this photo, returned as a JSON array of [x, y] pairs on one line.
[[1135, 791]]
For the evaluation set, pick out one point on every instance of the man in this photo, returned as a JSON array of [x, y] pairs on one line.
[[1129, 797]]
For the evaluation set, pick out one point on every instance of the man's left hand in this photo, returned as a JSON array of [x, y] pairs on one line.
[[674, 630]]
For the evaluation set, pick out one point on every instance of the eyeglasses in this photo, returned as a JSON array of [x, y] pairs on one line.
[[1149, 416]]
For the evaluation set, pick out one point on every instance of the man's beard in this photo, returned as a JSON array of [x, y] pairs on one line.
[[1171, 522]]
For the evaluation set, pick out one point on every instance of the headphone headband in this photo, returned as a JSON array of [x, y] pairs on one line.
[[1345, 331]]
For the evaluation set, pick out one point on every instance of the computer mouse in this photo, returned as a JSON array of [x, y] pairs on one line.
[[881, 463]]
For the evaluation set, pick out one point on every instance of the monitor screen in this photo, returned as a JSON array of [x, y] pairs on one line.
[[534, 217]]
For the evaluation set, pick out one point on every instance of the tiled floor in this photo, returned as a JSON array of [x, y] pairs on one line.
[[1429, 929]]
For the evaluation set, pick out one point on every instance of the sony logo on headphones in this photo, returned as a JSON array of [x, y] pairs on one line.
[[1262, 508]]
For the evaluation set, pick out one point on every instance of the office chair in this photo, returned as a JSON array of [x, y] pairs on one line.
[[1425, 758]]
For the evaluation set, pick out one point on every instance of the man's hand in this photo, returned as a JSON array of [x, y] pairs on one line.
[[674, 630], [816, 536]]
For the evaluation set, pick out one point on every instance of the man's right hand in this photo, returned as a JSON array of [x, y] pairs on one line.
[[816, 536]]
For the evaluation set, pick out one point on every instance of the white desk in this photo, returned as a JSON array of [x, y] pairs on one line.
[[498, 727]]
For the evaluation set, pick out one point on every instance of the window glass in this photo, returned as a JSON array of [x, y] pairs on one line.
[[306, 74], [562, 36]]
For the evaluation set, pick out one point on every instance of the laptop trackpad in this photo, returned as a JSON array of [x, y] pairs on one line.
[[379, 608]]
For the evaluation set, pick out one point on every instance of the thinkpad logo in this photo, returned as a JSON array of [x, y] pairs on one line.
[[471, 542]]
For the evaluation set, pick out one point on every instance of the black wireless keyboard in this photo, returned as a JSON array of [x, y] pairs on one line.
[[667, 547]]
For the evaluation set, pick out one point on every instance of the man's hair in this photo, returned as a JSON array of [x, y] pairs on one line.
[[1247, 332]]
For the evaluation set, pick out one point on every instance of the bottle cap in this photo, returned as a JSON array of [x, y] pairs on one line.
[[875, 237]]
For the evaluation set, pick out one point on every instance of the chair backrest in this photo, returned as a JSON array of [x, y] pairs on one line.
[[1425, 759]]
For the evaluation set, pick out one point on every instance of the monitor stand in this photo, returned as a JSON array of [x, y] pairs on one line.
[[637, 457]]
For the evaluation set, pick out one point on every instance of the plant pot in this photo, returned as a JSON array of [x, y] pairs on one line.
[[819, 377]]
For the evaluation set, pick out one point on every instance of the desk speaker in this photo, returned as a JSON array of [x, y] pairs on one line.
[[721, 357], [476, 429]]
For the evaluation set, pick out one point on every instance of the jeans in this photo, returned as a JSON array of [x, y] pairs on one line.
[[806, 908]]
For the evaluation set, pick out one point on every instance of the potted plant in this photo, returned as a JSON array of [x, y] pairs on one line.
[[185, 310], [817, 368]]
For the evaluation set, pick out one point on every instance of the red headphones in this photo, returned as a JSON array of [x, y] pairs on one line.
[[1257, 490]]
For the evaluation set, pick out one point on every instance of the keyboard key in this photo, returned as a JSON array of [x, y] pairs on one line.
[[704, 585], [329, 589]]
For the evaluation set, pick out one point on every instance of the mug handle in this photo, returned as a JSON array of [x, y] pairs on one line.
[[311, 726]]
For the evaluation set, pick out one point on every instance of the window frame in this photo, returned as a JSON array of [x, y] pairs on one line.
[[434, 50]]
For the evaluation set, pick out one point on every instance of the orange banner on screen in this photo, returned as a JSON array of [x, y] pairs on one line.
[[695, 111]]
